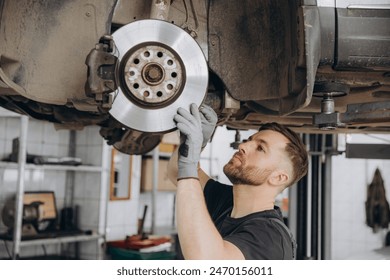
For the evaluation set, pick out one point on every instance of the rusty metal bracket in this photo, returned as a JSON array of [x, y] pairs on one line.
[[160, 9], [375, 112]]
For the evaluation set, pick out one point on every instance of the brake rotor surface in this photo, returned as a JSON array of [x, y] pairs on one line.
[[161, 69]]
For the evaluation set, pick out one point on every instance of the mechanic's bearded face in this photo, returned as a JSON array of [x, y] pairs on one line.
[[256, 159], [245, 175]]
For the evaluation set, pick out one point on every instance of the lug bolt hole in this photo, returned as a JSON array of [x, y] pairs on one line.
[[160, 54], [136, 85], [159, 94], [136, 61], [174, 75]]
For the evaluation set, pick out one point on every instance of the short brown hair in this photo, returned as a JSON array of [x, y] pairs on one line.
[[296, 150]]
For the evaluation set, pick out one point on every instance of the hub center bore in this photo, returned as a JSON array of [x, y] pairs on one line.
[[153, 74]]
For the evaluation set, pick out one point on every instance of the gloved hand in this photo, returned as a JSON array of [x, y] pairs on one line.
[[209, 120], [190, 127]]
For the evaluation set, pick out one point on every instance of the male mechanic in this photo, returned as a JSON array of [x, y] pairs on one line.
[[217, 221]]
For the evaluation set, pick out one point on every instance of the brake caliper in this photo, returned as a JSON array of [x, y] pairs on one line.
[[101, 73]]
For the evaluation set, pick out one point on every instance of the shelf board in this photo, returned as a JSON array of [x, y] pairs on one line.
[[58, 240], [54, 167]]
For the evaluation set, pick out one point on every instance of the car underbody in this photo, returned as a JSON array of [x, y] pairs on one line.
[[126, 66]]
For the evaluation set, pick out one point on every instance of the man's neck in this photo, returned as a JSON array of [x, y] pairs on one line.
[[251, 199]]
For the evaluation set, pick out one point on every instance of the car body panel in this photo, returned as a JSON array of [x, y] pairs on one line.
[[268, 60]]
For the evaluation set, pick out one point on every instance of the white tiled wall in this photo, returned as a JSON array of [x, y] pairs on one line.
[[122, 215], [165, 212], [351, 237], [43, 139]]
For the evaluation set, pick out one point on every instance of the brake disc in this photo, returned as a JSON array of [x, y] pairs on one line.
[[161, 69]]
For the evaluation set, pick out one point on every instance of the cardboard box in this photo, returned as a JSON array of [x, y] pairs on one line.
[[164, 184]]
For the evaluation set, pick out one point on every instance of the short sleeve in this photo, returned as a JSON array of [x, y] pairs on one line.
[[259, 240]]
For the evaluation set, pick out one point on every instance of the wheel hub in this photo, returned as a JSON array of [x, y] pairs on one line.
[[153, 75]]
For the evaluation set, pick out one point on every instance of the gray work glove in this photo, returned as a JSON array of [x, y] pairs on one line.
[[191, 138], [209, 120]]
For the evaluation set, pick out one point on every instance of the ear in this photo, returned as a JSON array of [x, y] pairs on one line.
[[279, 178]]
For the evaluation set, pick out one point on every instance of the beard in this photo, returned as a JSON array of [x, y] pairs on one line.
[[246, 175]]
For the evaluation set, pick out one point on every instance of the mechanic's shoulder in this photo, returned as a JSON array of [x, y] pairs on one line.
[[269, 217]]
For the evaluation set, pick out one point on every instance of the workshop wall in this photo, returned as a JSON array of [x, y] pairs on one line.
[[351, 237], [42, 140], [88, 196], [122, 215], [84, 192], [165, 222]]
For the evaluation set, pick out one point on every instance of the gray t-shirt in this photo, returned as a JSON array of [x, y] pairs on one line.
[[257, 235]]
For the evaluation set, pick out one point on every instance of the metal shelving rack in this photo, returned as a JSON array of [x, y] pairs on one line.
[[21, 166]]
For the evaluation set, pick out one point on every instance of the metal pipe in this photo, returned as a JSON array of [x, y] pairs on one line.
[[156, 157], [314, 198], [160, 9], [293, 210], [17, 234], [301, 218], [70, 184], [308, 201], [104, 196], [327, 200], [70, 175], [321, 160]]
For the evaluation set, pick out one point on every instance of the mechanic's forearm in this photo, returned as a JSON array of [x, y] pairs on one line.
[[199, 239]]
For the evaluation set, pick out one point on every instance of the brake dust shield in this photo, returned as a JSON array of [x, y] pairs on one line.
[[161, 68]]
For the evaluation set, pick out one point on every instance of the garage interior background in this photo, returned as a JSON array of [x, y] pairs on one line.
[[87, 187]]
